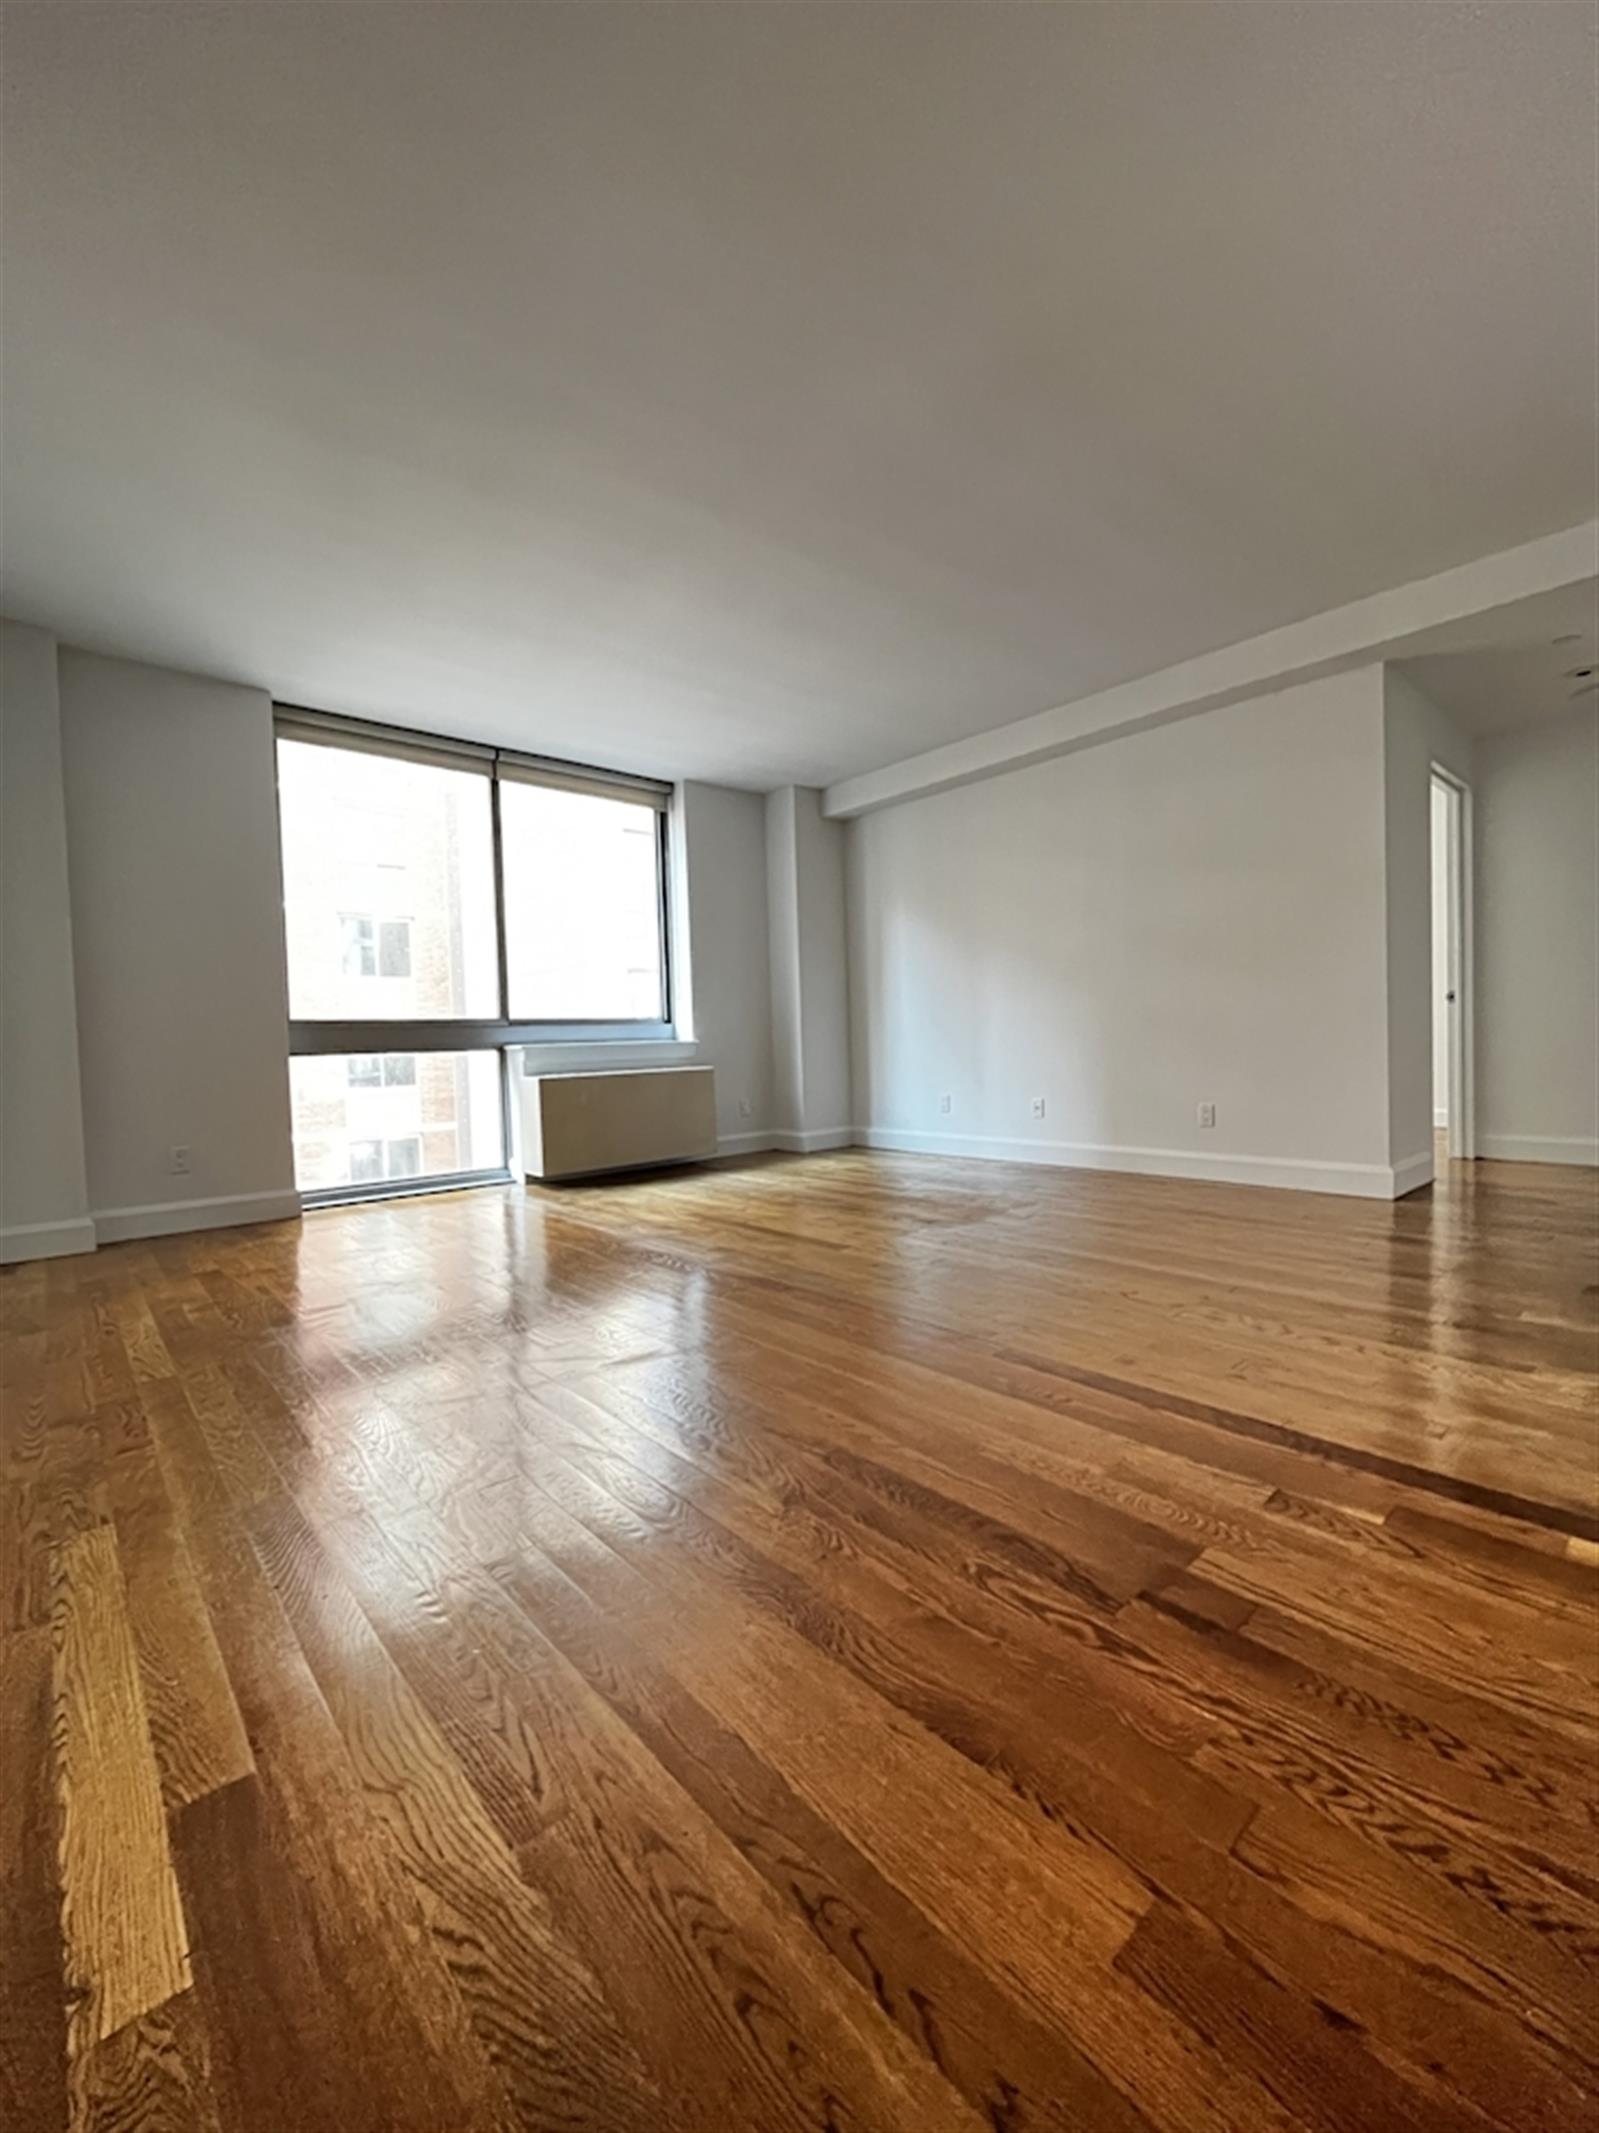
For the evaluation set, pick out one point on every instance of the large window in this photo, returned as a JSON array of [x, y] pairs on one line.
[[442, 902], [388, 886], [582, 906]]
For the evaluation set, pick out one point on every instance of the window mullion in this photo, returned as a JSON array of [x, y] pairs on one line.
[[497, 834]]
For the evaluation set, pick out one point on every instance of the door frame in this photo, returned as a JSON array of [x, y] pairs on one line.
[[1460, 962]]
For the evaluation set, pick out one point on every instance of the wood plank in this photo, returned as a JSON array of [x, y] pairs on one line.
[[151, 2076], [195, 1727], [123, 1931], [856, 1642], [33, 2006], [295, 1902], [542, 2014]]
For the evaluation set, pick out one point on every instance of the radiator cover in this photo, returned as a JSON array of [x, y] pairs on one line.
[[574, 1125]]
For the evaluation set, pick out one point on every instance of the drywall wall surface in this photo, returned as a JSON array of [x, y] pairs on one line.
[[177, 915], [1537, 940], [823, 957], [44, 1207], [723, 967], [1416, 736], [810, 993], [783, 916], [1189, 915]]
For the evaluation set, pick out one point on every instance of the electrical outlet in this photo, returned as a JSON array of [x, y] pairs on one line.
[[1038, 1107], [745, 1108], [1207, 1114], [946, 1104], [178, 1159]]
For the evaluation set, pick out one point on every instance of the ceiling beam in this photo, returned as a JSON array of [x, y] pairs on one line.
[[1406, 621]]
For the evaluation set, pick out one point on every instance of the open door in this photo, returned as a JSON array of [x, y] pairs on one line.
[[1453, 1049]]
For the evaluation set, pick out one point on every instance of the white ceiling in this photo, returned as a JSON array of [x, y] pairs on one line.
[[1537, 661], [771, 392]]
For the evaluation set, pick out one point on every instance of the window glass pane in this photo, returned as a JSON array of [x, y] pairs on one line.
[[394, 948], [388, 887], [582, 907], [403, 1159], [366, 1161], [446, 1117]]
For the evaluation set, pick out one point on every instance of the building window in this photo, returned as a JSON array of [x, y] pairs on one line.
[[366, 1162], [403, 1159], [359, 938], [442, 902], [394, 948], [381, 1070]]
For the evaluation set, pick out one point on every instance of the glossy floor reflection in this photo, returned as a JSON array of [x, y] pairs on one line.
[[856, 1642]]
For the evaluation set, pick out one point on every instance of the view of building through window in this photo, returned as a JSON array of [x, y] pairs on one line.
[[388, 876], [388, 871], [582, 906], [365, 1118], [393, 917]]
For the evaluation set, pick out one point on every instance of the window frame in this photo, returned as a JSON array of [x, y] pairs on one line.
[[383, 1034]]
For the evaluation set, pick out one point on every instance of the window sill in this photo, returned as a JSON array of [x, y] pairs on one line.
[[588, 1055]]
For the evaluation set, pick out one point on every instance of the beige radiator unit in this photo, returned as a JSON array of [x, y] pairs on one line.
[[576, 1124]]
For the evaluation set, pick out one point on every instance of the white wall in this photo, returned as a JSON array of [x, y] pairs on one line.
[[810, 996], [724, 978], [782, 908], [44, 1207], [1537, 938], [1416, 735], [177, 915], [1190, 914]]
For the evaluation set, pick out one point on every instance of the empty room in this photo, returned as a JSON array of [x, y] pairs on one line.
[[799, 1066]]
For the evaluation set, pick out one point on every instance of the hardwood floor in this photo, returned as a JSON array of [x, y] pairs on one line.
[[862, 1643]]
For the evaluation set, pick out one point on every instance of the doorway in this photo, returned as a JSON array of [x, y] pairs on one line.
[[1452, 1048]]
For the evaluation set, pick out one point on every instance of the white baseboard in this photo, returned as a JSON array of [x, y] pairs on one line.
[[745, 1143], [1414, 1172], [169, 1218], [1440, 1119], [790, 1143], [1537, 1148], [46, 1240], [1369, 1181], [814, 1142]]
